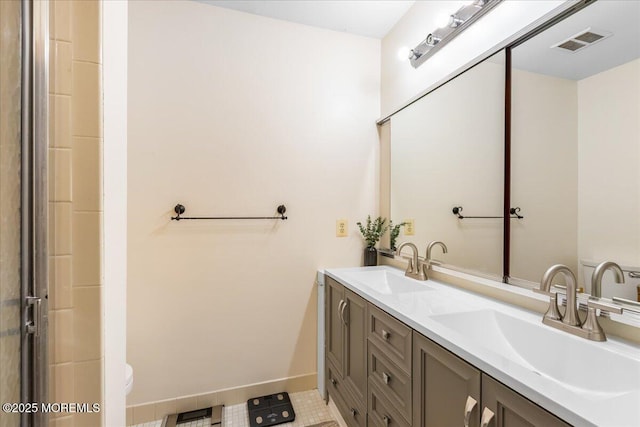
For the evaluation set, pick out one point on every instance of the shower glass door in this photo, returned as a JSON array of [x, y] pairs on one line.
[[10, 212], [23, 212]]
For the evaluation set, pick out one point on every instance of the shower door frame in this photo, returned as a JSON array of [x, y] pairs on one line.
[[34, 373]]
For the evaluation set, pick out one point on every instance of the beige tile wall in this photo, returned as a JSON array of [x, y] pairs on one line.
[[75, 194]]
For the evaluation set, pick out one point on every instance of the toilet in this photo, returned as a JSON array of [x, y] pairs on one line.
[[128, 378], [627, 290]]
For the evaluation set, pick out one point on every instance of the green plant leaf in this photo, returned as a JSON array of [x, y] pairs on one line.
[[373, 230]]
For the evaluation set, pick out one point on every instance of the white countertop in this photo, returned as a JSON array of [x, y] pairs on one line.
[[418, 309]]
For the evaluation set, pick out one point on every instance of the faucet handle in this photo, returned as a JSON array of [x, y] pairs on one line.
[[591, 326], [552, 312], [604, 306]]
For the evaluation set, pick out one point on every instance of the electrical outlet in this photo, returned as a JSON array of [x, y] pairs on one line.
[[409, 227], [342, 228]]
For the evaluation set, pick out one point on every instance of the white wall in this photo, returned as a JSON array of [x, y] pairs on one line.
[[233, 114], [114, 50], [576, 176], [401, 82], [448, 150], [608, 157], [544, 173]]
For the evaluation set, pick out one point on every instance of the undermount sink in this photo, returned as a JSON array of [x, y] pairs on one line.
[[386, 282], [580, 365]]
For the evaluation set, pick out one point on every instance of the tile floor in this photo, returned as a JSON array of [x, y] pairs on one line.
[[309, 407]]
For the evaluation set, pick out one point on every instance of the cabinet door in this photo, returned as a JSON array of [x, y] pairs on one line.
[[334, 326], [503, 407], [444, 387], [355, 356], [355, 415]]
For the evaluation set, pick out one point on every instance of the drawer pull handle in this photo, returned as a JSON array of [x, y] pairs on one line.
[[353, 412], [487, 417], [386, 335], [333, 381], [386, 420], [468, 409], [340, 310], [386, 377]]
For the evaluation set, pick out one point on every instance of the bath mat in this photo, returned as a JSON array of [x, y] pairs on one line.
[[331, 423], [270, 410]]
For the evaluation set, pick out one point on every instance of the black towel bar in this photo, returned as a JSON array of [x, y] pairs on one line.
[[180, 209], [515, 214]]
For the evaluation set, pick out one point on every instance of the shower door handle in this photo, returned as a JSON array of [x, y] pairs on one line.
[[33, 325]]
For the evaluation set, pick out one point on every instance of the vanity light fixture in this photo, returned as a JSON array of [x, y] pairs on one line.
[[458, 22]]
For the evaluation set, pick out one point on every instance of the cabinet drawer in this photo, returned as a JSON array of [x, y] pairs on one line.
[[353, 414], [381, 412], [391, 336], [392, 381]]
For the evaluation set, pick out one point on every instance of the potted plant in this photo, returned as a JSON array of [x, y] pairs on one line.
[[394, 232], [372, 233]]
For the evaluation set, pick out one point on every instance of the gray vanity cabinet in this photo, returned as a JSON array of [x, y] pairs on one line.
[[445, 387], [346, 351], [447, 391], [382, 373], [503, 407]]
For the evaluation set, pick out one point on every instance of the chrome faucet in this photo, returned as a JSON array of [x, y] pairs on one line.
[[570, 322], [429, 261], [553, 316], [596, 279], [591, 324], [415, 268]]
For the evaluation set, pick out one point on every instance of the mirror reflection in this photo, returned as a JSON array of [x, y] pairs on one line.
[[438, 163], [576, 147]]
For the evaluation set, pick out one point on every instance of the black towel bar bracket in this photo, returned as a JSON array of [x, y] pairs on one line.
[[180, 209], [515, 214]]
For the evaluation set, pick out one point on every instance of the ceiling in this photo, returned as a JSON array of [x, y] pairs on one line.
[[362, 17], [620, 17]]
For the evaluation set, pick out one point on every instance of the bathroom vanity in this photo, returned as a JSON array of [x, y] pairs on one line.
[[504, 161], [402, 352]]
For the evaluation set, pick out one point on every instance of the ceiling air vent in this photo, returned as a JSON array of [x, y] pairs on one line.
[[584, 38]]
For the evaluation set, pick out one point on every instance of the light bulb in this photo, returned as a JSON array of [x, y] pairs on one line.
[[454, 21], [432, 40]]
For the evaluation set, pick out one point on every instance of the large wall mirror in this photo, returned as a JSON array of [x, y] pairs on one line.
[[447, 150], [575, 145], [575, 154]]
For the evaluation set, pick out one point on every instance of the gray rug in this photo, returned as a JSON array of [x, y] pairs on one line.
[[325, 424]]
